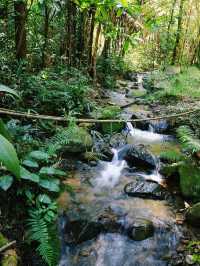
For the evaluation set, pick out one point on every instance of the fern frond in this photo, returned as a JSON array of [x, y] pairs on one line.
[[65, 136], [188, 140], [40, 231], [172, 156]]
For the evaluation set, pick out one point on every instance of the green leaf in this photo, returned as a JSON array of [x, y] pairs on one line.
[[8, 156], [126, 45], [4, 131], [30, 163], [6, 182], [25, 174], [4, 88], [44, 198], [51, 171], [50, 184], [39, 155]]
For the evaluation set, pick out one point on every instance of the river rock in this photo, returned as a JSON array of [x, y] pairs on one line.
[[118, 140], [143, 125], [193, 215], [146, 189], [159, 126], [85, 228], [132, 76], [137, 155], [141, 229], [85, 142]]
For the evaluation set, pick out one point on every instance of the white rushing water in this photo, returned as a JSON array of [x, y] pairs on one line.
[[145, 137], [110, 175]]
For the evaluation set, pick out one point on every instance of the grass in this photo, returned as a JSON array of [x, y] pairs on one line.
[[176, 87]]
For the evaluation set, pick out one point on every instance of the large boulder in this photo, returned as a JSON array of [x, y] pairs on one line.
[[193, 215], [146, 189], [141, 229], [137, 155]]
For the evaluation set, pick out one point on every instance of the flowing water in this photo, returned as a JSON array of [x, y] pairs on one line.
[[101, 197]]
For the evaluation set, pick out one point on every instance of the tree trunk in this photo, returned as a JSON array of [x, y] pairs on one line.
[[20, 29], [71, 32], [94, 56], [91, 37], [178, 34], [46, 34]]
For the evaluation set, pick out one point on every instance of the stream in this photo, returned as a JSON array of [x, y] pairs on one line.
[[122, 212]]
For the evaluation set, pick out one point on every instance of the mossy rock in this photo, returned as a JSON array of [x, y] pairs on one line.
[[193, 215], [190, 181], [81, 142], [10, 258], [141, 229]]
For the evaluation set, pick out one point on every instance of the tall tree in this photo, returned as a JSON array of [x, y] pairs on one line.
[[20, 9], [178, 33]]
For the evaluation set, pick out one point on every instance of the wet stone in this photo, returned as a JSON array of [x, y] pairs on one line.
[[146, 189], [141, 229], [137, 155]]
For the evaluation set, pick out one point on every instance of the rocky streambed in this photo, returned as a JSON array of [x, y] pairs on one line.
[[123, 211]]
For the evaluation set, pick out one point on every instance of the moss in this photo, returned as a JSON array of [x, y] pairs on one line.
[[193, 215], [190, 181], [10, 258], [3, 240]]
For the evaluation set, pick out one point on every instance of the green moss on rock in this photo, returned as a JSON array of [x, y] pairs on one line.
[[193, 215], [190, 181]]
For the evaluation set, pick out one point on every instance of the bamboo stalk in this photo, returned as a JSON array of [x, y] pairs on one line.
[[87, 120]]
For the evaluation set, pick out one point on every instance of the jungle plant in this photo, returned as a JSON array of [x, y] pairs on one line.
[[39, 185], [185, 162], [43, 230], [69, 138]]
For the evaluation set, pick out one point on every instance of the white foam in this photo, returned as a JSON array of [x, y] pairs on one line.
[[144, 137], [111, 173]]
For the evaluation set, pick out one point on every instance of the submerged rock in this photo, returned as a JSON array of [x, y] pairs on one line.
[[85, 228], [137, 155], [141, 229], [146, 189], [193, 215]]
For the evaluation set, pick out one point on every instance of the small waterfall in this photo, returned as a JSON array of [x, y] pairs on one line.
[[145, 137], [110, 175]]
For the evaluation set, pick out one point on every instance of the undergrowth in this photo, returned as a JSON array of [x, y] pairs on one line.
[[176, 87]]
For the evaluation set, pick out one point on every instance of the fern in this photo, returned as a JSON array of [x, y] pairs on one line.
[[65, 136], [188, 140], [45, 234], [172, 156]]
